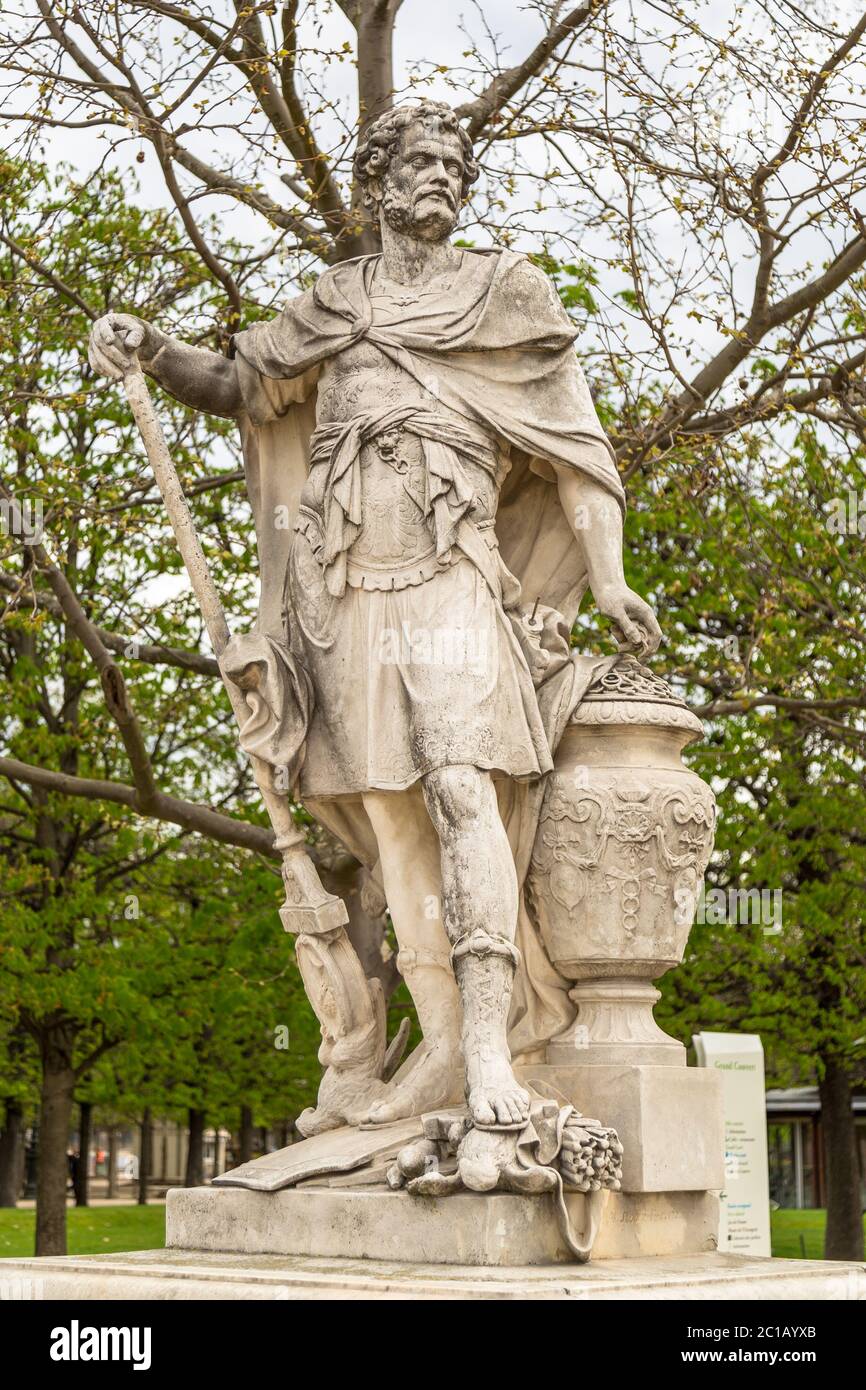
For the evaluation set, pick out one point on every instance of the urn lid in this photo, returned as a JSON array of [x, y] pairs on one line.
[[629, 693]]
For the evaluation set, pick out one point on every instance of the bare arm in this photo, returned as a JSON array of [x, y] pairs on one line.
[[596, 520], [204, 380]]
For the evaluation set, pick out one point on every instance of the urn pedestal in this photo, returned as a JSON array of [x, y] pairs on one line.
[[625, 834]]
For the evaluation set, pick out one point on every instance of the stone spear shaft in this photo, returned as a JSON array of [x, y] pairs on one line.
[[308, 907]]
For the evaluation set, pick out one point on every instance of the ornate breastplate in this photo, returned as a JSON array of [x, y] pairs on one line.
[[395, 531]]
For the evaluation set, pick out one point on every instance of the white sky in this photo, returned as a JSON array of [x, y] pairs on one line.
[[426, 31]]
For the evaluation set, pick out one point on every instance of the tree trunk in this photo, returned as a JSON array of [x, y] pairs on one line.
[[246, 1134], [112, 1161], [195, 1150], [10, 1154], [375, 25], [31, 1163], [217, 1166], [144, 1161], [82, 1176], [844, 1236], [55, 1114]]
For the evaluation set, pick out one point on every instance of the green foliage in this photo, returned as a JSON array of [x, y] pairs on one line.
[[155, 958], [574, 283]]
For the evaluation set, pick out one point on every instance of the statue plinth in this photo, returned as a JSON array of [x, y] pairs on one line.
[[624, 838], [482, 1230]]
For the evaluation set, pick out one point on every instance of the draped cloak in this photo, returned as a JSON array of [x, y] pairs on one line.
[[497, 348]]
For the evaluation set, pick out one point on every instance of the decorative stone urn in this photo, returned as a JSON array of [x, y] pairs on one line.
[[624, 838]]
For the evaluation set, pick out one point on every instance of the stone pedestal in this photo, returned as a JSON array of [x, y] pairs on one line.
[[189, 1274], [468, 1228], [669, 1120], [624, 837]]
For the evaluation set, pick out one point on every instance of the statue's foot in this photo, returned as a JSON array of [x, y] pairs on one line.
[[435, 1080], [494, 1095]]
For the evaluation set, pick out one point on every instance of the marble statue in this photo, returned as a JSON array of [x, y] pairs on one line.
[[433, 495]]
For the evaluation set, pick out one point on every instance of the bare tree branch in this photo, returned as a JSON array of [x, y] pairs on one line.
[[152, 653], [214, 179], [202, 819], [484, 109], [747, 703]]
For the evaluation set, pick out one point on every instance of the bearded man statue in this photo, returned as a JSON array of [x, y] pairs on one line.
[[433, 495]]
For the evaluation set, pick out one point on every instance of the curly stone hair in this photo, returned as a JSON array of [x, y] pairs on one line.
[[376, 150]]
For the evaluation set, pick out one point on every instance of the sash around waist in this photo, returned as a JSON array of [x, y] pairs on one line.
[[330, 439]]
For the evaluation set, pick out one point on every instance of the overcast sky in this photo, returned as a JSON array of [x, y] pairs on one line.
[[442, 31], [426, 30]]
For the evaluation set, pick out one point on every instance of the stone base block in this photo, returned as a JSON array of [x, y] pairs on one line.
[[189, 1274], [669, 1120], [468, 1228]]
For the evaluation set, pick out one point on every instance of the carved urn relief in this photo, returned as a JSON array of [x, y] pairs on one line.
[[625, 834]]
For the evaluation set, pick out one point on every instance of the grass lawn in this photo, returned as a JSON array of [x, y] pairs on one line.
[[799, 1235], [89, 1230]]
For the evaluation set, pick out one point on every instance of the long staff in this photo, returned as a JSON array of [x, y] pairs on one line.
[[308, 907]]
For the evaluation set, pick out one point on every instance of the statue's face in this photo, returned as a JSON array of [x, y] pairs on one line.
[[422, 187]]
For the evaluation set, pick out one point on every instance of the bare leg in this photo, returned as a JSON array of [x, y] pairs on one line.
[[409, 853], [479, 889]]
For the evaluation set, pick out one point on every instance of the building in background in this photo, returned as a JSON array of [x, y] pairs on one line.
[[796, 1147]]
